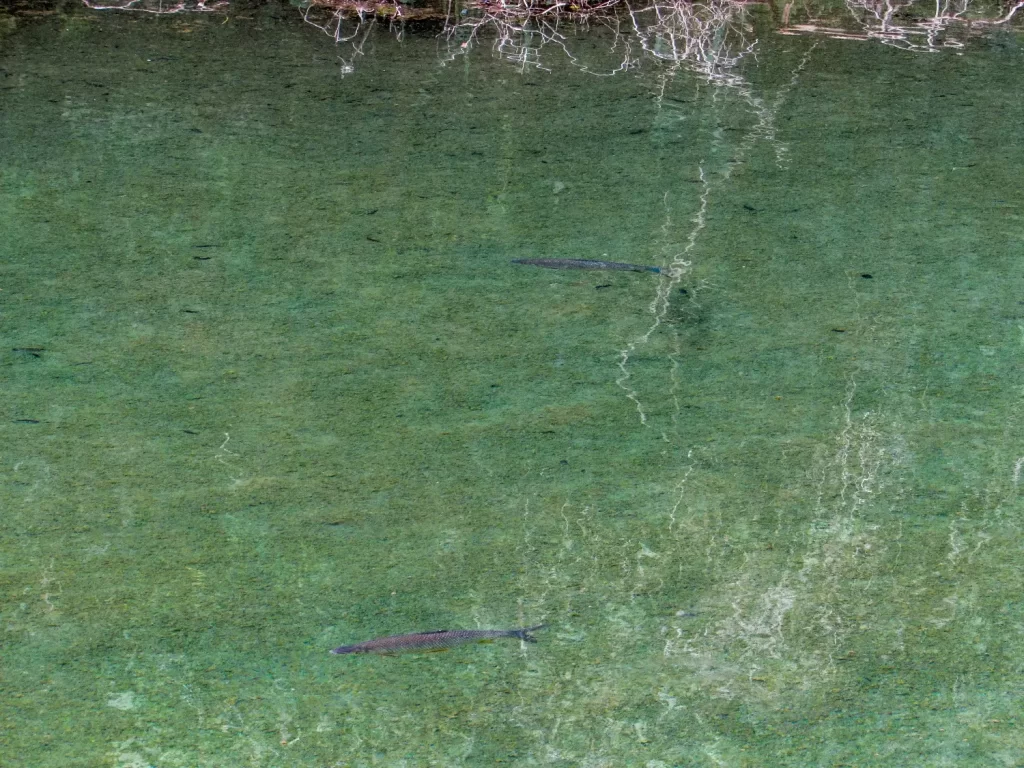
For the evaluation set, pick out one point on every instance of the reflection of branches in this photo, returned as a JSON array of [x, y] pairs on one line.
[[363, 13], [156, 6], [523, 28], [1009, 14], [708, 38], [895, 23], [349, 22]]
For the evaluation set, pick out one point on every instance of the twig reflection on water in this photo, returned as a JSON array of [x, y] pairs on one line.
[[708, 37], [522, 29], [157, 6], [895, 23]]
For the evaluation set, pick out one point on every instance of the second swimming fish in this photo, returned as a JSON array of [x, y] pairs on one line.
[[437, 640], [585, 264]]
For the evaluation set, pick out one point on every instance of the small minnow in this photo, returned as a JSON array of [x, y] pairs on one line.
[[437, 640], [586, 264]]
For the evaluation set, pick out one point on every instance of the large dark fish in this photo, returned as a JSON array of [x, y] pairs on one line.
[[585, 264], [437, 640]]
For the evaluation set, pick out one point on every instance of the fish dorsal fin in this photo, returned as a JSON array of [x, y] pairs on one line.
[[433, 632]]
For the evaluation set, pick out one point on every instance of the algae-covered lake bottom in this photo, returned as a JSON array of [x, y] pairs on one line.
[[272, 386]]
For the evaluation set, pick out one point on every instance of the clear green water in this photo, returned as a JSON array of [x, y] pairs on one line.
[[271, 385]]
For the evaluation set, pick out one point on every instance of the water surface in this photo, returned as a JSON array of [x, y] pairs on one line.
[[271, 386]]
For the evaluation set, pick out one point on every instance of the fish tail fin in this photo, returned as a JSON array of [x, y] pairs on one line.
[[655, 270], [525, 633]]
